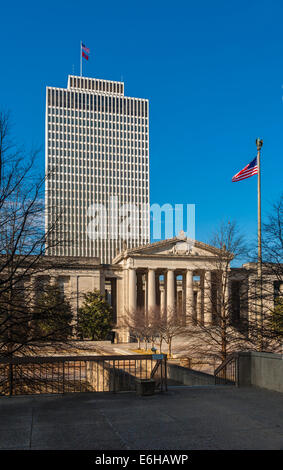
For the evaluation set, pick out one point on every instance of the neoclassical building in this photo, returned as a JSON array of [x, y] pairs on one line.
[[172, 277]]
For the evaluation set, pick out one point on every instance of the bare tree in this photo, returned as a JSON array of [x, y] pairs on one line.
[[170, 326], [218, 333], [154, 327], [272, 240], [23, 243], [244, 311], [139, 326], [268, 291], [265, 291]]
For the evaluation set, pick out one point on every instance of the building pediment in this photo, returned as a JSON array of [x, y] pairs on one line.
[[173, 247]]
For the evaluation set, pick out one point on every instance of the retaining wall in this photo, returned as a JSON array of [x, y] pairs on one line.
[[261, 370], [188, 376]]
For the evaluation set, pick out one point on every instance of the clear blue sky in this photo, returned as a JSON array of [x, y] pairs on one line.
[[212, 70]]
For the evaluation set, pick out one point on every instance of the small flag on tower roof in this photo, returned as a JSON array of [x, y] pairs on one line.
[[86, 49]]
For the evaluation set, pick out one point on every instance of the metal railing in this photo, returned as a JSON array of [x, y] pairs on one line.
[[227, 372], [65, 374]]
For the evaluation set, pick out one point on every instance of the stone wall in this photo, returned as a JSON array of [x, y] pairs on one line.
[[102, 376], [187, 376], [263, 370]]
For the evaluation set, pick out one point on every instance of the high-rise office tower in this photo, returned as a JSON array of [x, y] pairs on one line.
[[97, 166]]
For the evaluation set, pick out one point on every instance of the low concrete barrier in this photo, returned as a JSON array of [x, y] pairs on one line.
[[263, 370], [188, 376], [103, 378]]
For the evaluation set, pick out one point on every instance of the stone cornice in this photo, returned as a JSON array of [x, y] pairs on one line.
[[146, 251]]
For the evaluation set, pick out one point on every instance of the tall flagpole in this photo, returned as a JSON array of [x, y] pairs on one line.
[[81, 63], [259, 144]]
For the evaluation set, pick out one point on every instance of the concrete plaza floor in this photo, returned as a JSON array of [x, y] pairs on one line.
[[187, 418]]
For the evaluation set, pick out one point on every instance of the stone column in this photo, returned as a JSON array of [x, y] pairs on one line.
[[199, 296], [114, 298], [31, 287], [184, 306], [102, 283], [170, 293], [74, 300], [226, 288], [132, 290], [189, 296], [151, 291], [53, 279], [207, 298], [162, 300]]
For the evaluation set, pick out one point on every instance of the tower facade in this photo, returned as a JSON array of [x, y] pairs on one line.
[[97, 169]]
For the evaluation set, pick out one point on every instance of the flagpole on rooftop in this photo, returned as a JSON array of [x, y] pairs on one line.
[[81, 63]]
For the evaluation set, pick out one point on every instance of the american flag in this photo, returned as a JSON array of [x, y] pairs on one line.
[[249, 170], [86, 49]]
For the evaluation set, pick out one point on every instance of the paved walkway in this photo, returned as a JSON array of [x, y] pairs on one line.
[[184, 418]]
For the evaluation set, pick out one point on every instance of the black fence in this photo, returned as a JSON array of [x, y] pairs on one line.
[[227, 372], [66, 374]]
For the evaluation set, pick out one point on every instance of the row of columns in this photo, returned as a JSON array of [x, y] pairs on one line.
[[169, 288]]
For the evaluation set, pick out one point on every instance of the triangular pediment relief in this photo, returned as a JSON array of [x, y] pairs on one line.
[[171, 247]]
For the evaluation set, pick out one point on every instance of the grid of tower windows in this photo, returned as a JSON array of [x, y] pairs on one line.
[[92, 84], [95, 149]]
